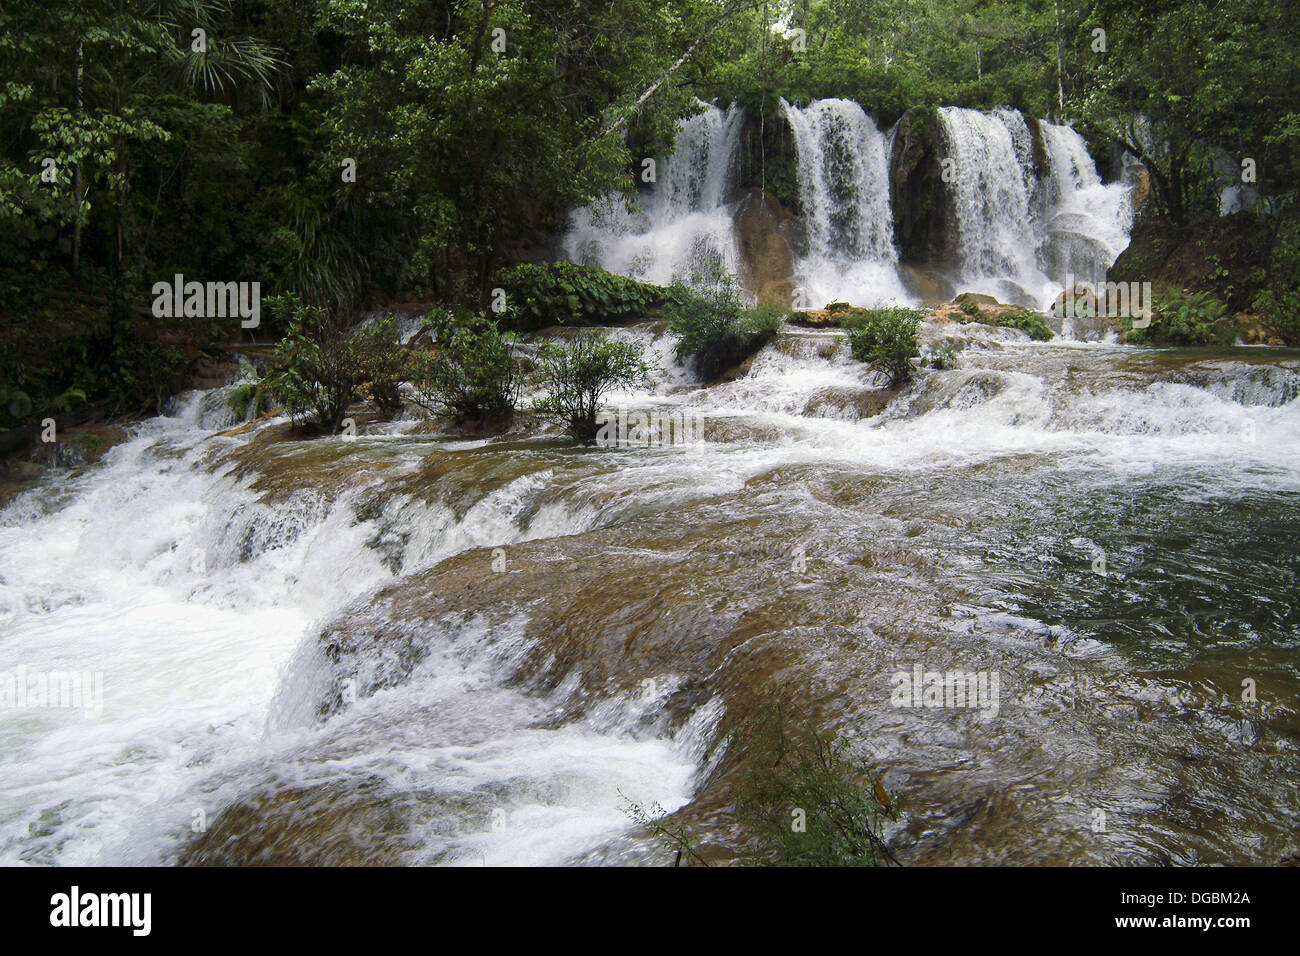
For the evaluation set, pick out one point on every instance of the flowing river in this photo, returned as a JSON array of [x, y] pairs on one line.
[[407, 648]]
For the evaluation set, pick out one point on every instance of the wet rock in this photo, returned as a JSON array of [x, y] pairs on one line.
[[932, 288], [767, 260]]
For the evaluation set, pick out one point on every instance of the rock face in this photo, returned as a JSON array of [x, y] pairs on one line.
[[930, 287], [766, 253], [924, 224]]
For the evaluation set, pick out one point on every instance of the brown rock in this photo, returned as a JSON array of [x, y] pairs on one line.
[[766, 258]]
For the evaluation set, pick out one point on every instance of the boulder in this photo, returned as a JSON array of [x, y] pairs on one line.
[[932, 288]]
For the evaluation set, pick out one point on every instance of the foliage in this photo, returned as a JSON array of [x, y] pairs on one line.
[[472, 374], [576, 376], [716, 330], [677, 838], [942, 358], [886, 338], [1185, 318], [1026, 320], [562, 293], [1193, 88], [792, 774], [322, 366]]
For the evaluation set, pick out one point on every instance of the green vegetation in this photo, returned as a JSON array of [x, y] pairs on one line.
[[803, 798], [717, 331], [940, 359], [578, 375], [561, 293], [472, 375], [886, 339], [1180, 318], [1026, 320], [321, 366]]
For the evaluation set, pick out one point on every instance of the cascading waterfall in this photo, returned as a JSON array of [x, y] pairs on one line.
[[995, 236], [1087, 225], [843, 165], [685, 227], [1021, 236]]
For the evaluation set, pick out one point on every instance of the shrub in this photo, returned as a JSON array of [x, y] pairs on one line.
[[885, 338], [563, 293], [942, 358], [382, 363], [577, 376], [716, 331], [1185, 318], [788, 766], [322, 367], [1027, 321], [472, 374]]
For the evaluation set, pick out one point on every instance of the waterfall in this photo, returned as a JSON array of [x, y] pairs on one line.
[[1023, 228], [1022, 235], [995, 235], [1087, 224], [843, 167], [684, 229]]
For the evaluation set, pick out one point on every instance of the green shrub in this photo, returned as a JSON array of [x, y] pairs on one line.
[[577, 376], [1185, 319], [886, 339], [563, 293], [1026, 320], [382, 363], [251, 394], [716, 330], [791, 772], [322, 366], [941, 359], [472, 374]]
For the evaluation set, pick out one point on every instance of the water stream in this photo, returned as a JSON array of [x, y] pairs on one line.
[[407, 648]]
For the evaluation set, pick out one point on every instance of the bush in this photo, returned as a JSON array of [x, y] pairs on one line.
[[716, 331], [788, 766], [382, 363], [322, 367], [941, 358], [578, 375], [1185, 318], [885, 338], [563, 293], [472, 374]]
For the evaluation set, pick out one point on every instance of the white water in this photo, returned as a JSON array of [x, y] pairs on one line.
[[685, 229], [843, 164], [211, 669], [1020, 238], [190, 597]]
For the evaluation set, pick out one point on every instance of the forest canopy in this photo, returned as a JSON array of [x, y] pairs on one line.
[[349, 150]]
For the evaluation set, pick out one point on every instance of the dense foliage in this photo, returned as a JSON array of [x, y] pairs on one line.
[[716, 329], [885, 339], [578, 375], [472, 374], [321, 366], [560, 293]]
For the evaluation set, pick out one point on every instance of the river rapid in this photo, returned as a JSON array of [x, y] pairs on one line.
[[414, 648]]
